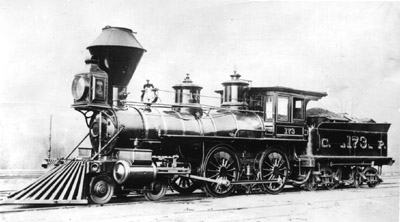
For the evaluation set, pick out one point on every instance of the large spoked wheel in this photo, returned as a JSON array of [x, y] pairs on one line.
[[372, 177], [183, 185], [220, 164], [158, 191], [274, 165], [101, 189]]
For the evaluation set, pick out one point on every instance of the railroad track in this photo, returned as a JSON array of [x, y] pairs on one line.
[[21, 174], [173, 197]]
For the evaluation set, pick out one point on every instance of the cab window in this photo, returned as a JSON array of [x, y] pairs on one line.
[[283, 107], [268, 108], [298, 109]]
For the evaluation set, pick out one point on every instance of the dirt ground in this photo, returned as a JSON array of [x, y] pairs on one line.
[[346, 204]]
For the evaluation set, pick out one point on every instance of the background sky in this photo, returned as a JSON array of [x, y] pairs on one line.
[[349, 50]]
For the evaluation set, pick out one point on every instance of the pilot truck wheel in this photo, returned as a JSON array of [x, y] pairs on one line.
[[183, 185], [159, 188], [101, 189]]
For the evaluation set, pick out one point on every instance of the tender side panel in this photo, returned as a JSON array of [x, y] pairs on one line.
[[351, 139]]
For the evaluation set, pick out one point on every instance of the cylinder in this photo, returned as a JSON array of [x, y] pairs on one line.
[[133, 176]]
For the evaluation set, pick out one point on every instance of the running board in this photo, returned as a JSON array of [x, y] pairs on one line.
[[63, 184]]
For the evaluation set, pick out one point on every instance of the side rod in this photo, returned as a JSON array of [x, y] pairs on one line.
[[227, 182]]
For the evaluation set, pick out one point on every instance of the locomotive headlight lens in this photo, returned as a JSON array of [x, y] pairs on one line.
[[121, 171], [80, 87]]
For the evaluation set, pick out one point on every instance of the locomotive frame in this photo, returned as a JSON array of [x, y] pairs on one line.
[[259, 140]]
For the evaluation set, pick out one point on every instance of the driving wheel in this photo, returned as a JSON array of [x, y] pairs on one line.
[[220, 164], [274, 165]]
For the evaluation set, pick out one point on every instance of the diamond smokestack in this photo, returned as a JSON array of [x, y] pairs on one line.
[[118, 53]]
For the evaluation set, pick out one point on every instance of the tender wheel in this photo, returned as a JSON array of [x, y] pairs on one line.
[[337, 177], [159, 190], [311, 184], [357, 179], [220, 163], [274, 165], [330, 179], [183, 185], [372, 177], [101, 189]]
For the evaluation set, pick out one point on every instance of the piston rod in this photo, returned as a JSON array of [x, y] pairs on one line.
[[219, 181]]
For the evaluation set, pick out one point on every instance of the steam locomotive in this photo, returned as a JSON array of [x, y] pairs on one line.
[[259, 140]]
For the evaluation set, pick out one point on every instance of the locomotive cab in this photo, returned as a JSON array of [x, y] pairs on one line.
[[283, 109]]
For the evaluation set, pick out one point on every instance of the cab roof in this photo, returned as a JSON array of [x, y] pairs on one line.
[[309, 94]]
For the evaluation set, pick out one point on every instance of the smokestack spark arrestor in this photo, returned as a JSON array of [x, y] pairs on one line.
[[118, 53], [115, 56]]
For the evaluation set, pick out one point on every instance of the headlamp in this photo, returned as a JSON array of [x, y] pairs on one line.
[[80, 87]]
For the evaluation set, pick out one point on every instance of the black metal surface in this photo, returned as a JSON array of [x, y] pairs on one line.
[[118, 53], [351, 139]]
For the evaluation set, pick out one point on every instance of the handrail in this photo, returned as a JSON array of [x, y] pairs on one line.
[[168, 105], [77, 145], [108, 143]]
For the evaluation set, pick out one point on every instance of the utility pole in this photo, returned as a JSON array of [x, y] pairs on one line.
[[49, 151]]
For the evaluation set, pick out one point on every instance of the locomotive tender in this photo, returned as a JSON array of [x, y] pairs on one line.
[[259, 140]]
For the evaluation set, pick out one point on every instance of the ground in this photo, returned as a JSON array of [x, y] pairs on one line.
[[343, 204]]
